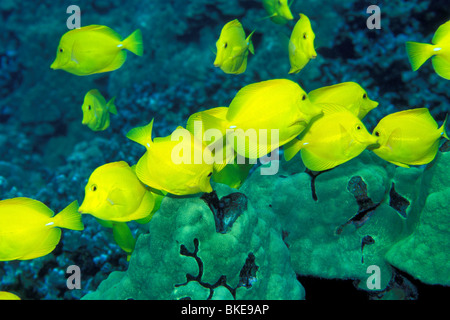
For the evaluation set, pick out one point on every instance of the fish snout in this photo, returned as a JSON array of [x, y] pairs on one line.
[[54, 65]]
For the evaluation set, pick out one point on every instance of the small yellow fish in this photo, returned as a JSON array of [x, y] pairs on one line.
[[96, 110], [278, 10], [8, 296], [348, 94], [174, 166], [301, 44], [257, 110], [113, 192], [95, 49], [233, 48], [336, 137], [29, 230], [409, 137], [439, 50]]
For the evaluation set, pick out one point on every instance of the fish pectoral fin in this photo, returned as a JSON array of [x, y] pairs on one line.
[[394, 141]]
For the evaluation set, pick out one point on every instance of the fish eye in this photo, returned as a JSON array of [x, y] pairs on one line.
[[304, 97], [210, 174], [89, 107], [305, 36], [94, 187], [358, 127], [225, 45], [377, 133], [365, 96], [61, 50]]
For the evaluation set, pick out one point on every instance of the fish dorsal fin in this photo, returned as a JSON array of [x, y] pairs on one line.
[[233, 24], [419, 113], [103, 29], [442, 33], [29, 203]]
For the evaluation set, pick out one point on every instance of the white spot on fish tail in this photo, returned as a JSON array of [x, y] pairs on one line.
[[110, 201], [437, 49], [148, 144], [119, 45], [232, 127], [50, 223]]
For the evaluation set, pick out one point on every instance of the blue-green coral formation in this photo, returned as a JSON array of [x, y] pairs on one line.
[[424, 253], [332, 225], [183, 256]]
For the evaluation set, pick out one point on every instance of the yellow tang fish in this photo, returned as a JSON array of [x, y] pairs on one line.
[[174, 166], [336, 137], [29, 230], [8, 296], [95, 49], [439, 50], [301, 44], [278, 10], [233, 48], [261, 109], [113, 192], [348, 94], [409, 137], [96, 110]]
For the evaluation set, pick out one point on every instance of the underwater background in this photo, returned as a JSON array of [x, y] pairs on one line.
[[47, 154]]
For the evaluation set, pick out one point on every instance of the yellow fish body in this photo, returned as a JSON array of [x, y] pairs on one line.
[[409, 137], [257, 109], [96, 110], [278, 10], [439, 50], [336, 137], [301, 44], [8, 296], [232, 48], [95, 49], [114, 193], [348, 94], [171, 166], [29, 230]]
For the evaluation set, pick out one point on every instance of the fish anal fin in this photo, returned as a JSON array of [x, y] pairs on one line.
[[46, 246], [314, 163]]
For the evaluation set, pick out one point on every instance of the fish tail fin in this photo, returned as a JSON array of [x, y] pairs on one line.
[[418, 53], [250, 43], [292, 148], [441, 66], [111, 106], [442, 128], [141, 135], [134, 43], [69, 218]]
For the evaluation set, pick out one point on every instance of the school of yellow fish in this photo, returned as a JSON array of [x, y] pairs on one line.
[[324, 125]]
